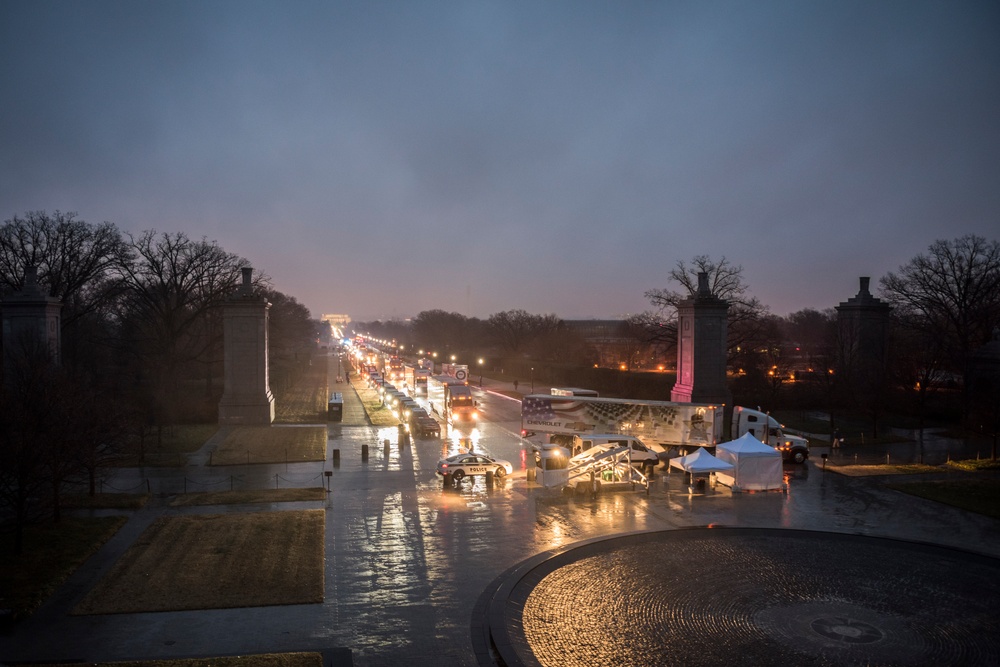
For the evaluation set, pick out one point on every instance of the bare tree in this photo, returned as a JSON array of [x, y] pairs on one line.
[[291, 339], [75, 259], [27, 420], [746, 313], [441, 330], [951, 293], [514, 330], [634, 340], [169, 290]]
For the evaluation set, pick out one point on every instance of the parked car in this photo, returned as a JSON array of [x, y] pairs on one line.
[[461, 465]]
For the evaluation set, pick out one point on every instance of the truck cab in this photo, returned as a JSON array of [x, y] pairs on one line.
[[766, 428]]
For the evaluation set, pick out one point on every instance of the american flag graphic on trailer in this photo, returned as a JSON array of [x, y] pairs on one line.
[[657, 421]]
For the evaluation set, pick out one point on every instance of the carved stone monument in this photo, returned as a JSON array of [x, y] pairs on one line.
[[247, 397], [702, 328], [32, 323], [863, 330]]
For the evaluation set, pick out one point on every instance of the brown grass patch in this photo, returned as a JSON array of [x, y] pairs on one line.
[[269, 444], [216, 562], [104, 501], [244, 497], [973, 495], [868, 470], [305, 402], [378, 414]]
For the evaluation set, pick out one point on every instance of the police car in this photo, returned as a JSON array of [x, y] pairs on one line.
[[460, 465]]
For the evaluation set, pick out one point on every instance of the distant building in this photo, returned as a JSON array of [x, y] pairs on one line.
[[613, 344], [337, 320], [338, 326]]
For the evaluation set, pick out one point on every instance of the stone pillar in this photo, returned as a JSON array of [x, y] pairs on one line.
[[247, 397], [32, 324], [702, 328], [863, 328]]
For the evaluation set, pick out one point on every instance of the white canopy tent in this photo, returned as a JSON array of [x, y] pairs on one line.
[[756, 467], [701, 462]]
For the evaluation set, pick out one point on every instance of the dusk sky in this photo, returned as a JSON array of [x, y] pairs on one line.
[[380, 159]]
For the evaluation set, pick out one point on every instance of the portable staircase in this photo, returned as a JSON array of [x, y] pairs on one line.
[[617, 461]]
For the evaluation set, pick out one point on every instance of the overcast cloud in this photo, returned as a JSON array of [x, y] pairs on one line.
[[379, 159]]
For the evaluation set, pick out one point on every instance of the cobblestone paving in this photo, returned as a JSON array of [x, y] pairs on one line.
[[757, 597]]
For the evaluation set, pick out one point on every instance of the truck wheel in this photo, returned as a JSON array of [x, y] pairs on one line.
[[798, 456], [499, 473], [457, 476]]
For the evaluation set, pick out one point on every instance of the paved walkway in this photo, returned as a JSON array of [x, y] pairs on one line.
[[419, 575], [746, 596]]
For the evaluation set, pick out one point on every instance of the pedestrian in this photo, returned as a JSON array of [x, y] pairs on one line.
[[837, 439], [515, 385]]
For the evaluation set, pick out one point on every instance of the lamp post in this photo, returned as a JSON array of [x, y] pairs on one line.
[[480, 372], [532, 379]]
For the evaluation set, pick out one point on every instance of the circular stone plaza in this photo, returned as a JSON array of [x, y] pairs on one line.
[[743, 596]]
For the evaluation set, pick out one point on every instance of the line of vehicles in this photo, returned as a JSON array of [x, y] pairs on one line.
[[577, 421], [448, 395]]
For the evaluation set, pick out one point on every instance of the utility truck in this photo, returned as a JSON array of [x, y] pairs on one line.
[[452, 399]]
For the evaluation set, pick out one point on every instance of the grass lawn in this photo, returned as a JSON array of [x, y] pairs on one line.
[[306, 401], [216, 562], [270, 444], [378, 414], [104, 501], [973, 495], [868, 470], [52, 552]]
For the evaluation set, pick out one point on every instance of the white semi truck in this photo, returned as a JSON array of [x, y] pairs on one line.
[[452, 399], [415, 379], [792, 447], [660, 425]]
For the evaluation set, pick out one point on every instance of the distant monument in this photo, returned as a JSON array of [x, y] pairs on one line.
[[702, 329], [863, 331], [247, 397], [32, 324]]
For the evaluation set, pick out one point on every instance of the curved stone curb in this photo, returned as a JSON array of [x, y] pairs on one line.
[[750, 595]]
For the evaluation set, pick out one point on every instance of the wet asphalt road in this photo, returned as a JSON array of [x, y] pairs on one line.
[[407, 561]]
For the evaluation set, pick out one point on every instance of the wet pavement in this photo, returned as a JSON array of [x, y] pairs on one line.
[[414, 571]]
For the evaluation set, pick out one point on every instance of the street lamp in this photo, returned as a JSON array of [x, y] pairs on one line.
[[480, 372], [532, 379]]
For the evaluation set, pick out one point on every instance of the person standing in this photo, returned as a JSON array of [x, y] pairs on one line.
[[837, 439]]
